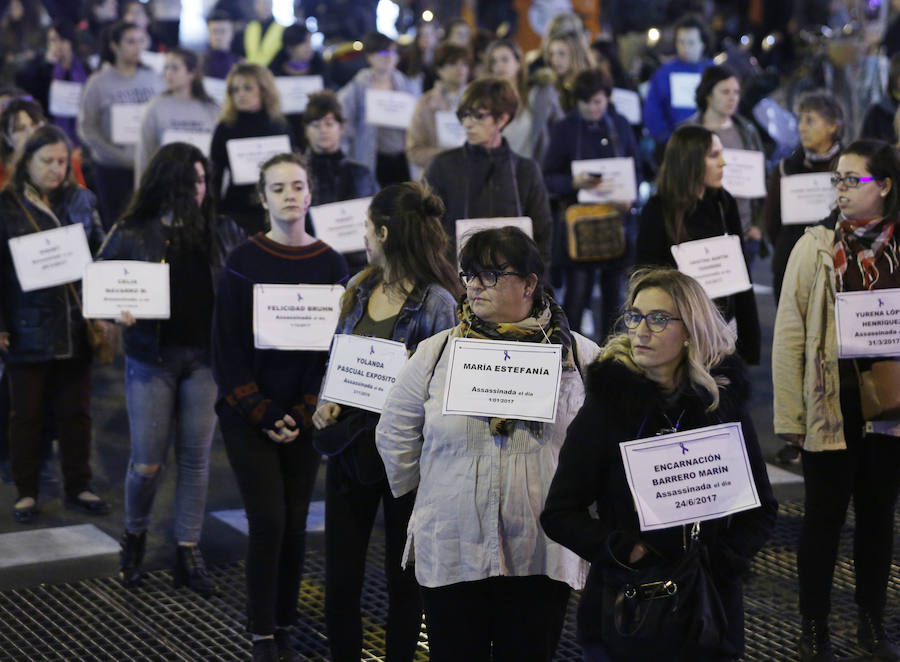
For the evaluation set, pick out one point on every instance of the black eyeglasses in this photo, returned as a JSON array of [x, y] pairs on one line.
[[478, 116], [850, 181], [656, 322], [488, 277]]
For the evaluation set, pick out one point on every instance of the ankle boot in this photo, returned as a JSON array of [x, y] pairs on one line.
[[815, 641], [190, 570], [265, 650], [286, 652], [872, 638], [131, 558]]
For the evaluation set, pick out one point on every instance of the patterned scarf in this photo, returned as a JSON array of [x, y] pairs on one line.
[[865, 239], [547, 323]]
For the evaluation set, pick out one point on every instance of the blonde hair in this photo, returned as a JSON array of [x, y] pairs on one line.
[[582, 59], [271, 101], [710, 339]]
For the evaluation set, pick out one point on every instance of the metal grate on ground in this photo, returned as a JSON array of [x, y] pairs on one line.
[[98, 620]]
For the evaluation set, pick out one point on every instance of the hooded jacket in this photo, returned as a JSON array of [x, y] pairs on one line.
[[622, 405]]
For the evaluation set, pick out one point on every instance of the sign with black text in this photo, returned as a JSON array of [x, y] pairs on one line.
[[689, 476], [362, 370]]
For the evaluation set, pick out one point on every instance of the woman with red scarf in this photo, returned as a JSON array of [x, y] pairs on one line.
[[820, 402]]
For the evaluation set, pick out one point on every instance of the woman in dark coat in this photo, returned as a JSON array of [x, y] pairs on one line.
[[674, 370], [691, 204]]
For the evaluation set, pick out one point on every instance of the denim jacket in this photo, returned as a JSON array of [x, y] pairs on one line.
[[427, 310]]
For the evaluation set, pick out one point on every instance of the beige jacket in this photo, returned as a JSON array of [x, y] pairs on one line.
[[805, 350], [421, 136]]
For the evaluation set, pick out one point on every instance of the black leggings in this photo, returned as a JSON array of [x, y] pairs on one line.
[[504, 619], [869, 471], [276, 483], [350, 510]]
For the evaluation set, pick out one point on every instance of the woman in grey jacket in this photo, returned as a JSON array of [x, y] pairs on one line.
[[122, 81]]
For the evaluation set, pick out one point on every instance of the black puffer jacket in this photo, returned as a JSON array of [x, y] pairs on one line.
[[622, 405], [148, 242], [47, 323]]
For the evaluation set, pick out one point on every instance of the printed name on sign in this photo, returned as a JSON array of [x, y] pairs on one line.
[[806, 198], [51, 257], [295, 317], [113, 286], [689, 476], [717, 263], [341, 225], [503, 379], [361, 371], [868, 323]]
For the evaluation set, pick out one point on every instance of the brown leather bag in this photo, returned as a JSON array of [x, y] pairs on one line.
[[594, 233], [880, 391]]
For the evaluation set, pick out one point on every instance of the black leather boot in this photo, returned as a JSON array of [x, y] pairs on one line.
[[286, 652], [872, 638], [265, 650], [815, 641], [131, 558], [190, 570]]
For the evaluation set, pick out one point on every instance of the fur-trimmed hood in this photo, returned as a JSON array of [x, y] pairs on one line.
[[615, 383]]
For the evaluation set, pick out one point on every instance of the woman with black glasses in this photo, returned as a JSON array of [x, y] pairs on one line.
[[493, 585]]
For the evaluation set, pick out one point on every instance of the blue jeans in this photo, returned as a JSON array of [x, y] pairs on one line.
[[170, 401]]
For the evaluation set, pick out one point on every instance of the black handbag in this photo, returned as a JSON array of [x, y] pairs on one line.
[[658, 606], [351, 442]]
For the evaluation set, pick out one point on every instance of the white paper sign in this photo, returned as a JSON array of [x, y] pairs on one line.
[[466, 227], [246, 155], [50, 257], [295, 317], [215, 88], [806, 198], [295, 91], [341, 225], [111, 286], [717, 263], [689, 476], [745, 173], [504, 379], [628, 104], [126, 122], [389, 108], [682, 87], [202, 140], [154, 60], [450, 132], [362, 370], [618, 183], [868, 323], [65, 98]]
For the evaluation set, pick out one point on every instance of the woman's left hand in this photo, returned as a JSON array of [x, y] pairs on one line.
[[327, 414], [754, 233]]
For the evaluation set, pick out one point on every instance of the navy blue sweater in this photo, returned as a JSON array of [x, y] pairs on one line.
[[263, 385]]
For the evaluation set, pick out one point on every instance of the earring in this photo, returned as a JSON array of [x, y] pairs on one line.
[[527, 292], [687, 343]]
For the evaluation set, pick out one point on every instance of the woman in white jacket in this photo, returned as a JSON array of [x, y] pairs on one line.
[[485, 566]]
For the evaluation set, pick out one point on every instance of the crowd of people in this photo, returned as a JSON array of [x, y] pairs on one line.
[[491, 191]]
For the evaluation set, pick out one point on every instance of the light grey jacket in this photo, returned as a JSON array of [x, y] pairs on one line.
[[805, 351], [479, 496], [360, 140]]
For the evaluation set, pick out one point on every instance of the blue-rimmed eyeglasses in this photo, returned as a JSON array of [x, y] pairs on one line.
[[656, 321], [488, 277], [850, 181]]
